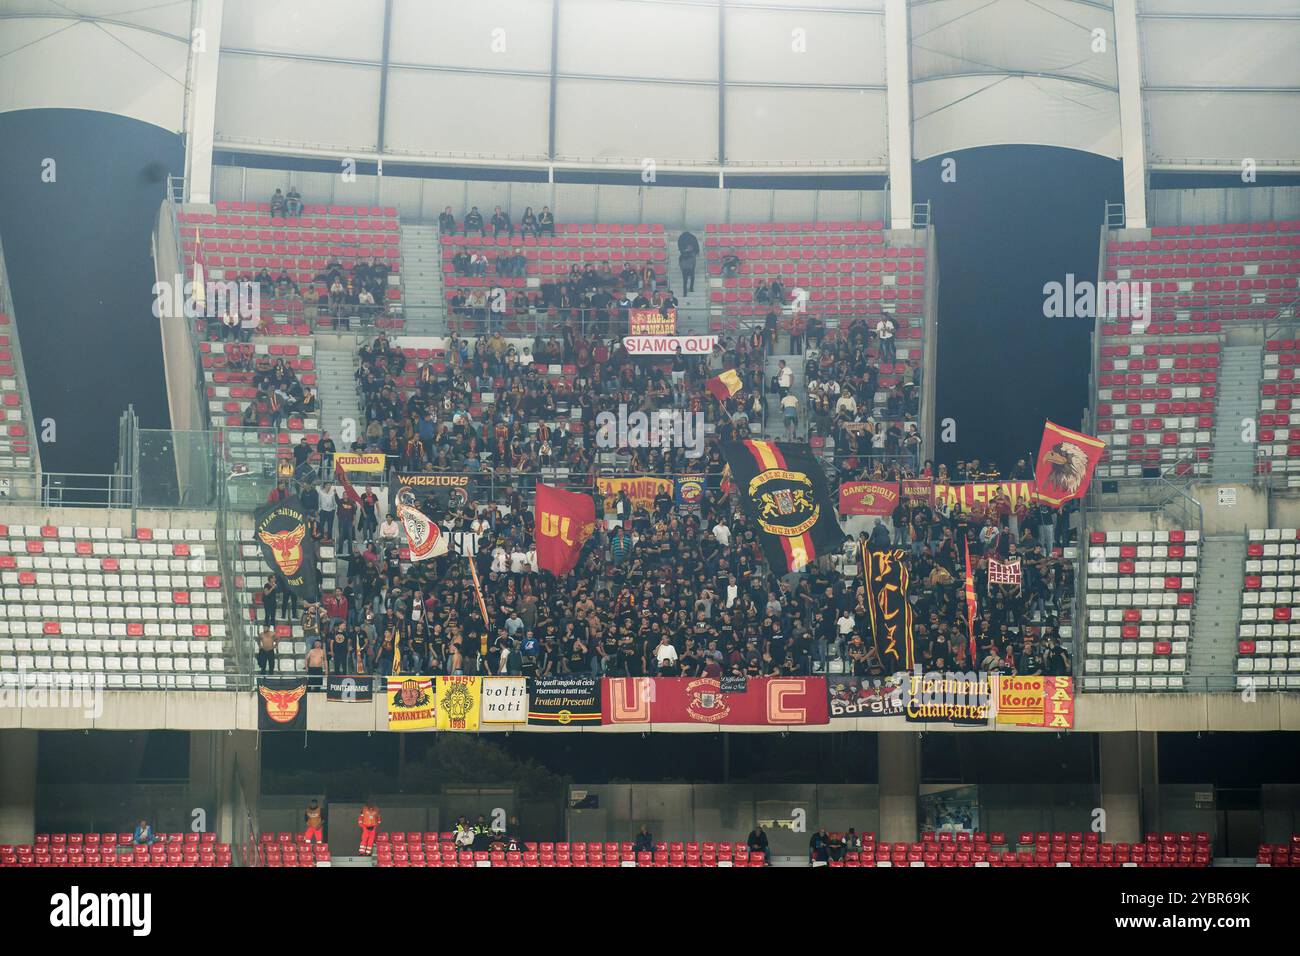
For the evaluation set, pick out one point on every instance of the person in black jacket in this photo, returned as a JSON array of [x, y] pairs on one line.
[[474, 222], [645, 841], [758, 844], [819, 847]]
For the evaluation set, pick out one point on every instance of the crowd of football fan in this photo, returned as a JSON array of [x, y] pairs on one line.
[[667, 589]]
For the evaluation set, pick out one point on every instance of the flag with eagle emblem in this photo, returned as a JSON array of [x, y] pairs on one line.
[[1066, 461], [287, 547], [283, 703], [783, 490]]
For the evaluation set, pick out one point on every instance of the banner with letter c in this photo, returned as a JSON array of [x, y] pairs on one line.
[[765, 701]]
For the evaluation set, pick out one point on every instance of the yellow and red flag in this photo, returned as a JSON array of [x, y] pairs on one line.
[[723, 386], [972, 606], [1066, 461]]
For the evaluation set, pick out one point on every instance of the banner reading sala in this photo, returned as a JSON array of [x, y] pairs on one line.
[[868, 498], [766, 702], [651, 322], [1036, 701], [287, 548]]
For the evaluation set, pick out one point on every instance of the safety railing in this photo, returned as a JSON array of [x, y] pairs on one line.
[[57, 489], [20, 372]]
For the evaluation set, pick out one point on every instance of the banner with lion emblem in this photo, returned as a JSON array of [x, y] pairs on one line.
[[783, 490], [1066, 461], [287, 547], [457, 701]]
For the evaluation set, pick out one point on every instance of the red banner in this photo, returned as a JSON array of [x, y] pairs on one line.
[[918, 489], [1035, 701], [868, 498], [564, 521], [1066, 460], [651, 322], [765, 702]]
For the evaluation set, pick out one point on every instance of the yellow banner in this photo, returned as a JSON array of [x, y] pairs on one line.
[[641, 491], [977, 496], [371, 461], [1036, 701], [411, 703], [458, 703]]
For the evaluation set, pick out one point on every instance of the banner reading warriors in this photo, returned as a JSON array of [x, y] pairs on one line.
[[1066, 461], [350, 688], [283, 703], [571, 699], [431, 492], [766, 701], [783, 490], [868, 498], [887, 579], [503, 700], [564, 521], [640, 491], [287, 548], [651, 322], [865, 697], [411, 704], [963, 699], [457, 701], [978, 495], [1035, 701]]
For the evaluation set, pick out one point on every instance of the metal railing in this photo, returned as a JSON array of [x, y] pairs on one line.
[[58, 489], [20, 371]]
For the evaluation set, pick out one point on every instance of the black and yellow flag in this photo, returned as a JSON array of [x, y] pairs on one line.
[[891, 613], [287, 548], [783, 490]]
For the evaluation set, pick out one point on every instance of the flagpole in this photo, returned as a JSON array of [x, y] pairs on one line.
[[482, 607]]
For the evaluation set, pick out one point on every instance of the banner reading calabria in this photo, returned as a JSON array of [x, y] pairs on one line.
[[411, 704]]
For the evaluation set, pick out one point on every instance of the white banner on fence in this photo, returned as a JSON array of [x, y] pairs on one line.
[[504, 700], [670, 344]]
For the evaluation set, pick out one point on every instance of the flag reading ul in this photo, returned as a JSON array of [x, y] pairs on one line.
[[564, 521]]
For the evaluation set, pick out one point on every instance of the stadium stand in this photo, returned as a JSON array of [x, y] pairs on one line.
[[69, 850], [1140, 600], [1279, 421], [142, 611], [241, 239], [16, 449], [1268, 642]]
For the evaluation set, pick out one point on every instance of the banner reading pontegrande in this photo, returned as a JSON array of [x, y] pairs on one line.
[[766, 701], [640, 491], [353, 461], [1035, 701], [667, 345], [283, 703], [868, 498], [564, 700], [1066, 461], [350, 688], [978, 495], [564, 521], [411, 704], [457, 700], [504, 700], [651, 322], [947, 697], [887, 578], [287, 548], [783, 490]]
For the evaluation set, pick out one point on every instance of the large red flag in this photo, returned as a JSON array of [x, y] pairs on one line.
[[1066, 461], [564, 521]]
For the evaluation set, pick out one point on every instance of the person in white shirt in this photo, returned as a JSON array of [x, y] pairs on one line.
[[665, 652], [784, 378], [388, 532], [722, 533], [518, 562], [885, 333], [329, 500], [847, 404], [500, 560]]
